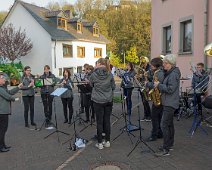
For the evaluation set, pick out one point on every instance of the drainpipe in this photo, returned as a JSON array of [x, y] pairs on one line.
[[205, 30], [55, 63]]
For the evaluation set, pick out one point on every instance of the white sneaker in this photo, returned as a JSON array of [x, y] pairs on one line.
[[99, 145], [106, 144]]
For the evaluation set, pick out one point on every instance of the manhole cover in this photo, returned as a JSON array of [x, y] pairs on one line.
[[107, 167]]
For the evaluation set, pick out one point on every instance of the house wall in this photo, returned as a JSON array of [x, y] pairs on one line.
[[75, 61], [172, 11], [40, 54]]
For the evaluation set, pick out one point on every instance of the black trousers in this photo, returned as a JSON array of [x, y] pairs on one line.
[[157, 112], [128, 94], [103, 112], [167, 125], [88, 104], [67, 104], [147, 111], [28, 105], [3, 129], [47, 104]]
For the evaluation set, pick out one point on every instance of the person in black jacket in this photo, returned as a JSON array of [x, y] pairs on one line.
[[157, 110], [67, 97], [46, 90], [28, 95], [5, 109]]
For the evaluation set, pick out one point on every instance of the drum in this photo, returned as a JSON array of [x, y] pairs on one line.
[[38, 82]]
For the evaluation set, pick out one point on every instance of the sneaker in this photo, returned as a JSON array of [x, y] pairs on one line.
[[33, 124], [148, 119], [171, 148], [162, 153], [106, 144], [143, 119], [99, 146]]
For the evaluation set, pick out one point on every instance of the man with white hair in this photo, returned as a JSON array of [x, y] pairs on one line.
[[169, 89]]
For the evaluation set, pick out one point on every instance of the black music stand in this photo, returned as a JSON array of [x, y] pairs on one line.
[[124, 115], [58, 92], [140, 139]]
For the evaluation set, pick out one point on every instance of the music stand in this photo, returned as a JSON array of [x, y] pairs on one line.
[[124, 115], [58, 92], [140, 139]]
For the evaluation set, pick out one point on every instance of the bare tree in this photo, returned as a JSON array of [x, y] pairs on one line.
[[14, 43]]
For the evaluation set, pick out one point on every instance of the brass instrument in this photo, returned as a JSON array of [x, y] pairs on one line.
[[154, 94], [208, 50]]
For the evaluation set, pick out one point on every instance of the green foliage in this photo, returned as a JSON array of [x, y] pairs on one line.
[[12, 70], [3, 14], [132, 55], [117, 99], [125, 27]]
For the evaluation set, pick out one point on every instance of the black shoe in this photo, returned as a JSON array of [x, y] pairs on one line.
[[87, 121], [69, 122], [162, 153], [4, 150], [7, 147], [160, 136], [27, 125], [33, 124], [150, 139], [143, 119], [65, 121]]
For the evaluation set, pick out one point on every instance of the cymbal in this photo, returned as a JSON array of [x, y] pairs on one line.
[[183, 78]]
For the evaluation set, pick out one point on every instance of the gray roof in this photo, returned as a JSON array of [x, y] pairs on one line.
[[40, 15]]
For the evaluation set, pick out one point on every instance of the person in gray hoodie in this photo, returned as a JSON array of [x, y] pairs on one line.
[[103, 85], [169, 89], [5, 109], [28, 95]]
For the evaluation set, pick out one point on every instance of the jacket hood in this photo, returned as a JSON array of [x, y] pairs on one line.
[[101, 73]]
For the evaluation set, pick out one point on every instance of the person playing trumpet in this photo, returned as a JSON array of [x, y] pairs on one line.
[[67, 97]]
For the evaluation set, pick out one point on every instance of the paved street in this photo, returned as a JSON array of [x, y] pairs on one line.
[[30, 151]]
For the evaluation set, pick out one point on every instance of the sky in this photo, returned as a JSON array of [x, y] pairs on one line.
[[6, 4]]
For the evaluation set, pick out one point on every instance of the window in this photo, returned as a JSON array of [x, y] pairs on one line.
[[79, 69], [97, 52], [186, 36], [167, 39], [79, 27], [95, 31], [62, 23], [67, 51], [80, 52]]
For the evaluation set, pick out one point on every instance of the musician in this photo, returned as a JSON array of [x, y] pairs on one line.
[[103, 85], [67, 97], [157, 110], [199, 83], [28, 95], [145, 67], [87, 96], [169, 89], [46, 90], [128, 85], [5, 109]]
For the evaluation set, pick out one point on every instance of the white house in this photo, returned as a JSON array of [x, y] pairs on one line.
[[59, 40]]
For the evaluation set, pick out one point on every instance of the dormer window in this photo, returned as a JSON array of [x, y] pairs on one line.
[[79, 27], [62, 23], [95, 31]]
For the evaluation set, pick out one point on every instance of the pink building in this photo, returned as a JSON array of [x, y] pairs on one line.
[[182, 27]]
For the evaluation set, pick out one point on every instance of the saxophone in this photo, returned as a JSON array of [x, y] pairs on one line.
[[154, 94]]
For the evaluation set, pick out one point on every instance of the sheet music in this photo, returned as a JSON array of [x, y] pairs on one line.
[[59, 91]]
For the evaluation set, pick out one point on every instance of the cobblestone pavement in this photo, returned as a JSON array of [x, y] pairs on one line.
[[30, 151]]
